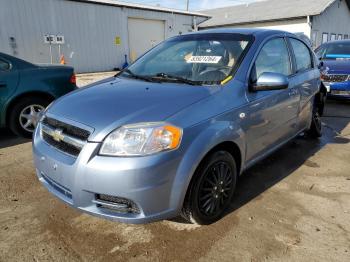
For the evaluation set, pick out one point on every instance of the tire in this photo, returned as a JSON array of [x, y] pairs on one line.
[[315, 130], [213, 182], [321, 102], [23, 107]]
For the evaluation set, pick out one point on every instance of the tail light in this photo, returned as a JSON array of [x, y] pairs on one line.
[[73, 79]]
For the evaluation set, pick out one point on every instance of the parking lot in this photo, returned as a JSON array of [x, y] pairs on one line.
[[294, 205]]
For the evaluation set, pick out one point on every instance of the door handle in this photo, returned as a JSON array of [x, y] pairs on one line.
[[3, 84]]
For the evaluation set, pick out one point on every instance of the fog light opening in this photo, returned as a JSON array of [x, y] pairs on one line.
[[116, 204]]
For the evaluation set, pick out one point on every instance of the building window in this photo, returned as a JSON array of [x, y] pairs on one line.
[[340, 36], [346, 36], [324, 38], [333, 37], [314, 39]]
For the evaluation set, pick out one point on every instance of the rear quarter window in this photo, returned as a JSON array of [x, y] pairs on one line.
[[302, 55]]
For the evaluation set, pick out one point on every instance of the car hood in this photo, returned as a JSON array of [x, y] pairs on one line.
[[110, 104], [337, 66]]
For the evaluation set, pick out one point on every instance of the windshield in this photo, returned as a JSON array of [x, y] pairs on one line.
[[193, 58], [337, 51]]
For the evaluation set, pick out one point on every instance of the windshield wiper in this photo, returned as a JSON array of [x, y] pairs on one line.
[[175, 78], [140, 77]]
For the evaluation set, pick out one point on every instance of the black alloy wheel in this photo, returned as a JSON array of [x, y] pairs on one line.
[[211, 190]]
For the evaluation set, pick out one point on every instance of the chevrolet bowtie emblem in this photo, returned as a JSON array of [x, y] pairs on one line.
[[57, 135]]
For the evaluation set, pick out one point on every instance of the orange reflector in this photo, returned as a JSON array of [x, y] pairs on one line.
[[176, 135]]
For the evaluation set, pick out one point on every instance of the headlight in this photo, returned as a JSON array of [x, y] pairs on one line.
[[141, 139]]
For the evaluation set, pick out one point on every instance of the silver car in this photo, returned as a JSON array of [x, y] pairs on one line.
[[170, 134]]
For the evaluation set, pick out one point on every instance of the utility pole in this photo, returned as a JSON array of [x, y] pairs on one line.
[[188, 5]]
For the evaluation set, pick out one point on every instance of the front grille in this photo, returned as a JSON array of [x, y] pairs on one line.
[[116, 204], [73, 131], [66, 138], [335, 78], [62, 146]]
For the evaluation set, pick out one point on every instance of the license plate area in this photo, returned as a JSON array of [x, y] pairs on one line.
[[340, 92]]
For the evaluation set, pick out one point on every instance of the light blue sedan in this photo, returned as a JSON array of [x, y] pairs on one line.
[[170, 134]]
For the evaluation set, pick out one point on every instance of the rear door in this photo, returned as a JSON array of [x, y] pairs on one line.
[[8, 80], [306, 78], [272, 114]]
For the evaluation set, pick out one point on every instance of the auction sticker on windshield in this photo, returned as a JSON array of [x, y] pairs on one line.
[[204, 59]]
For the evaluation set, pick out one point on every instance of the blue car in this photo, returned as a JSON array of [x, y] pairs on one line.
[[335, 70], [170, 134]]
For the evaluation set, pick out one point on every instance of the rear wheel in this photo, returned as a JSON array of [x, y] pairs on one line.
[[25, 115], [322, 97], [211, 191], [315, 130]]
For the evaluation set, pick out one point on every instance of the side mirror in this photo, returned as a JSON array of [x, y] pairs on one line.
[[270, 81]]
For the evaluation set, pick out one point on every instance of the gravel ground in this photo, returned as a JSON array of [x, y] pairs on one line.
[[85, 79], [293, 206]]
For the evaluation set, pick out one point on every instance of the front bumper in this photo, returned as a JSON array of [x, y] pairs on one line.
[[146, 181], [338, 90]]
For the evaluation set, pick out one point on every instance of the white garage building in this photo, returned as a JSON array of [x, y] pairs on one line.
[[319, 20], [93, 35]]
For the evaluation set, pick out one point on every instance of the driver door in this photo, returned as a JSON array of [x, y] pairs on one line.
[[272, 114]]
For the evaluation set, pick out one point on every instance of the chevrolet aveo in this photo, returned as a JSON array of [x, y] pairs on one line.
[[170, 134]]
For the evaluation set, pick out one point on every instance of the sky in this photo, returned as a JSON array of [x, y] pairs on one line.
[[195, 5]]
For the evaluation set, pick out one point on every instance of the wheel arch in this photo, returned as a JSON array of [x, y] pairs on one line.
[[232, 148], [320, 99], [213, 139]]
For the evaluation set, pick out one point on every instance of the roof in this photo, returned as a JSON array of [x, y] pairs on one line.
[[266, 10], [143, 7], [243, 31]]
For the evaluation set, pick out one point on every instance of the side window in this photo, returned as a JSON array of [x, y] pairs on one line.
[[302, 55], [4, 66], [273, 58]]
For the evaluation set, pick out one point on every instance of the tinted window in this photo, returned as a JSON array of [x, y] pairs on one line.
[[302, 55], [336, 50], [4, 65], [273, 58], [320, 51]]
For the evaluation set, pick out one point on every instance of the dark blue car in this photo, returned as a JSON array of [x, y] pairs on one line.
[[335, 61]]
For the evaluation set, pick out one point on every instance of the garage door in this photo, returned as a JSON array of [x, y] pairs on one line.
[[143, 35]]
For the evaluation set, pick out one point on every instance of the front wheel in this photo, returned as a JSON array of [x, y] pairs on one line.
[[211, 191], [25, 115]]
